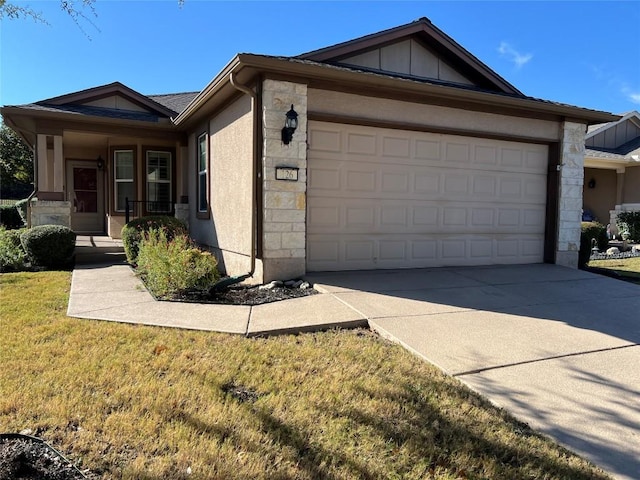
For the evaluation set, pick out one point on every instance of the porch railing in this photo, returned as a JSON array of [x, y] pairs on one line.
[[139, 208]]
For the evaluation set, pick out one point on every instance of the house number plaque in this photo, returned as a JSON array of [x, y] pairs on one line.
[[287, 173]]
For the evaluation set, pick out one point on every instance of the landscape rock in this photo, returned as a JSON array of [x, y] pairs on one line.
[[304, 286], [613, 251], [270, 285], [635, 249]]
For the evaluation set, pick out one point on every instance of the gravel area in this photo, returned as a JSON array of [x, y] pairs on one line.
[[28, 458]]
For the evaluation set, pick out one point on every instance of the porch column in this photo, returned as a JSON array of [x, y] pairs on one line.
[[570, 198], [58, 164], [620, 185], [43, 163], [613, 214], [284, 220]]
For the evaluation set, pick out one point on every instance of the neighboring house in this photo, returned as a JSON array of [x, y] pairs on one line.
[[612, 169], [409, 152]]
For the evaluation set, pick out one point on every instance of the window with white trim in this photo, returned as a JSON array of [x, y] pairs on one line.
[[158, 178], [203, 203], [123, 178]]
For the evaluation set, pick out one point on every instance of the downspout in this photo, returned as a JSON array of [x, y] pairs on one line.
[[254, 181]]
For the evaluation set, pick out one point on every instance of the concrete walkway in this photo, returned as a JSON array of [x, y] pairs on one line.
[[112, 292], [559, 348]]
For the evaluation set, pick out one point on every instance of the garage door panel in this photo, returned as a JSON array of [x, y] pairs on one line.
[[395, 199], [359, 216], [360, 144], [354, 252], [374, 181]]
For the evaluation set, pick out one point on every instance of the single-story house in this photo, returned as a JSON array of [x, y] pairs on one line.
[[409, 152], [612, 169]]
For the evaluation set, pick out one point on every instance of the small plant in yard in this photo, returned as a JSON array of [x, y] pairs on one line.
[[12, 256], [172, 266], [134, 231], [589, 232]]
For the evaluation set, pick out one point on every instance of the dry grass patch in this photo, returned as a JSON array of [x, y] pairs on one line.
[[627, 268], [134, 402]]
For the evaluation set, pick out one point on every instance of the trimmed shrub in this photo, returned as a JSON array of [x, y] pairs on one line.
[[589, 231], [49, 246], [134, 231], [173, 266], [12, 255], [10, 217], [630, 220]]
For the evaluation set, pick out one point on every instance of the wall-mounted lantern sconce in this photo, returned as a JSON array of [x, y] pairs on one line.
[[100, 162], [290, 125], [592, 183]]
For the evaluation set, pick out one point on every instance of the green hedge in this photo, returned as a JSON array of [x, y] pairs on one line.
[[630, 220], [49, 246], [10, 217], [589, 231], [133, 232], [12, 256]]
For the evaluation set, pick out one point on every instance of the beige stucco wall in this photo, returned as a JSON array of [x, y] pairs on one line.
[[602, 198], [632, 184], [382, 109], [228, 230]]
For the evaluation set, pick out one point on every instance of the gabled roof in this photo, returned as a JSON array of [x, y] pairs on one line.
[[632, 116], [625, 152], [116, 88], [427, 34]]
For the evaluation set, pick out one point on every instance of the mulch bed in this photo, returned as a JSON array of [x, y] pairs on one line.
[[247, 295], [28, 458]]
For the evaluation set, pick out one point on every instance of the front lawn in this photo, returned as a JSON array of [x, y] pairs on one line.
[[134, 402], [625, 268]]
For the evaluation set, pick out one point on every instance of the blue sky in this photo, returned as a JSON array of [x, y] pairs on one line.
[[584, 53]]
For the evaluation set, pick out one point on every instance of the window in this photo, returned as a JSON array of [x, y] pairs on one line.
[[202, 174], [123, 177], [158, 181]]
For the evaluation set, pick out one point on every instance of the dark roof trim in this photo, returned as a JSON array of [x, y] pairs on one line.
[[428, 32], [248, 66]]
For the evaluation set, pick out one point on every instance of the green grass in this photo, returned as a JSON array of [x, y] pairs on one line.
[[627, 268], [135, 402]]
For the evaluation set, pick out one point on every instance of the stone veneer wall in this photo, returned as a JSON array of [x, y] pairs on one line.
[[284, 221], [570, 200], [49, 212], [182, 212]]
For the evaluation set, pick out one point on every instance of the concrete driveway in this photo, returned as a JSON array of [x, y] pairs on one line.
[[557, 347]]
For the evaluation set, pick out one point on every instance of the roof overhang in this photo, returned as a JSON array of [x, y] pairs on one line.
[[246, 67], [28, 123]]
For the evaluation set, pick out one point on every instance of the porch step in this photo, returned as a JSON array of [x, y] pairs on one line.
[[98, 249]]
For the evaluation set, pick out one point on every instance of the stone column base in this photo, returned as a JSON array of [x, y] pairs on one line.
[[50, 212], [182, 213]]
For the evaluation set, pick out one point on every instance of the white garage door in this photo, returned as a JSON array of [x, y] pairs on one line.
[[383, 198]]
